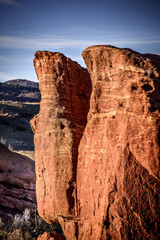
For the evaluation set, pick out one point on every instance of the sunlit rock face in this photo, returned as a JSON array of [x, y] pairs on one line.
[[17, 182], [65, 92], [118, 162], [99, 175]]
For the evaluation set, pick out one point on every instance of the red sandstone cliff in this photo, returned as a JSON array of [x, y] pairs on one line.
[[118, 163], [113, 190], [65, 92]]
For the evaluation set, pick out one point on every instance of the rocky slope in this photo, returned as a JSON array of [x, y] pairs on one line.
[[112, 192], [17, 182]]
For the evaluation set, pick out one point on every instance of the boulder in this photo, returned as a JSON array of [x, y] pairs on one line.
[[17, 181]]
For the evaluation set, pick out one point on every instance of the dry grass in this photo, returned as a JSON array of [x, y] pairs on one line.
[[26, 226], [29, 154], [4, 141]]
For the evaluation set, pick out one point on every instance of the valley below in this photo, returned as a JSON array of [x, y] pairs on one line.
[[15, 129]]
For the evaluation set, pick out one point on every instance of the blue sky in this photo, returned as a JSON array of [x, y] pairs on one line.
[[69, 27]]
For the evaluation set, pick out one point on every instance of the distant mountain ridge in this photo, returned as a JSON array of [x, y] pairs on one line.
[[23, 82], [21, 90]]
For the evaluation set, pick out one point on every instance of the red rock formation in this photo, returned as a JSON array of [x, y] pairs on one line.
[[65, 91], [116, 180], [118, 162], [17, 181]]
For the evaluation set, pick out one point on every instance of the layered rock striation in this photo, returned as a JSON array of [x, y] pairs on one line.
[[99, 177], [65, 92], [17, 182]]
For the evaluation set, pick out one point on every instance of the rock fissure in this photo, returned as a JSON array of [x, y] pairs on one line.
[[70, 218], [107, 221]]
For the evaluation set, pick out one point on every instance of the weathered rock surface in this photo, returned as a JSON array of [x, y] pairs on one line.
[[65, 92], [113, 191], [17, 181], [50, 236], [118, 185]]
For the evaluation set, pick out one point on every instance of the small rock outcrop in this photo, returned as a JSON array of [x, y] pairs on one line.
[[99, 175], [65, 92], [17, 181]]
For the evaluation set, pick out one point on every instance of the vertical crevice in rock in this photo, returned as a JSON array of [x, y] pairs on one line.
[[107, 221]]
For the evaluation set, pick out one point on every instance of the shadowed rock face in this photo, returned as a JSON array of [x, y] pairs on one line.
[[65, 92], [50, 236], [118, 163], [17, 181], [112, 192]]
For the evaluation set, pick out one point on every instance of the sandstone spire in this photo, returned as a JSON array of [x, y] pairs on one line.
[[118, 163], [65, 92]]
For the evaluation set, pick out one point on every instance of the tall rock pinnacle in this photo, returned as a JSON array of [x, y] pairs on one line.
[[118, 163], [65, 92]]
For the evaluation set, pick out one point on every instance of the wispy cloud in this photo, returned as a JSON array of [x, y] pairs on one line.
[[7, 59], [136, 42], [50, 43], [41, 43], [5, 77], [10, 2]]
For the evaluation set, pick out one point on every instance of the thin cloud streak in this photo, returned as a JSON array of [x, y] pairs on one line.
[[6, 59], [136, 42], [10, 2], [4, 76], [28, 43], [12, 42]]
